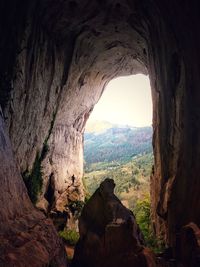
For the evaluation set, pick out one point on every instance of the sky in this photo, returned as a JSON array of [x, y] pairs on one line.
[[127, 101]]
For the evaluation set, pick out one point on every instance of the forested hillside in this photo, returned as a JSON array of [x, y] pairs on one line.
[[117, 144], [131, 178], [122, 153], [125, 155]]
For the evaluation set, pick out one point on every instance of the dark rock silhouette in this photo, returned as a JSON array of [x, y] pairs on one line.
[[189, 245], [109, 234]]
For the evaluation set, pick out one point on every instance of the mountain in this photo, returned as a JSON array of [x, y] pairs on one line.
[[123, 153], [116, 144]]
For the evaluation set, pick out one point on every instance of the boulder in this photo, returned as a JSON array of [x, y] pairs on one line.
[[188, 245], [109, 234]]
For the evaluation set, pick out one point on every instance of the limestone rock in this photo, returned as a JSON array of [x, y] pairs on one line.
[[55, 90], [56, 58], [27, 237], [109, 234]]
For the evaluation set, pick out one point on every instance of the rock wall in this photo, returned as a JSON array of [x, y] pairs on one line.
[[57, 83], [27, 238], [57, 57], [173, 72]]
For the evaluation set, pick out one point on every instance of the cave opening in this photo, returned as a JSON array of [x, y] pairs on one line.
[[118, 144], [56, 59]]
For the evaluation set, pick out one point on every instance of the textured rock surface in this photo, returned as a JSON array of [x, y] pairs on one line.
[[189, 245], [109, 229], [27, 238], [56, 58], [64, 77]]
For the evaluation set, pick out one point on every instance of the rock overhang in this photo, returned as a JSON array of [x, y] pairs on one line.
[[63, 54]]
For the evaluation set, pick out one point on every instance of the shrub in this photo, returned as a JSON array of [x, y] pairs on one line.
[[33, 180], [70, 236], [143, 218]]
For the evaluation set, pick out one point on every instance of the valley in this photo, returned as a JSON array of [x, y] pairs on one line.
[[121, 153], [124, 154]]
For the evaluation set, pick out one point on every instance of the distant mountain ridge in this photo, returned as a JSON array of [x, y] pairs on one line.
[[123, 153], [102, 126], [98, 126], [109, 142]]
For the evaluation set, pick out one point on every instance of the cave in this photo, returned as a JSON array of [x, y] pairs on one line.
[[56, 57]]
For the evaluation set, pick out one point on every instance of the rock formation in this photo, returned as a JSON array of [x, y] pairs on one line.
[[27, 238], [188, 245], [66, 88], [56, 58], [109, 234]]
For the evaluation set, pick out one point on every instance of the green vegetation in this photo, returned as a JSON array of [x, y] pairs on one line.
[[143, 218], [131, 179], [69, 236], [117, 144], [33, 180], [125, 155], [142, 214]]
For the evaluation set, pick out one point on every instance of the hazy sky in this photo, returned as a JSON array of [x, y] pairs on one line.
[[126, 100]]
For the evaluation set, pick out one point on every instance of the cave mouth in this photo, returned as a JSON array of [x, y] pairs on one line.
[[118, 143], [53, 54]]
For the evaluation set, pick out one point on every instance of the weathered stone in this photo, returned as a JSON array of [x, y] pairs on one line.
[[109, 234], [53, 79], [56, 58], [27, 238], [188, 244]]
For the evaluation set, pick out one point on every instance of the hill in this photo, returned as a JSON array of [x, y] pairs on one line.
[[131, 178], [122, 153], [117, 144], [125, 155]]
